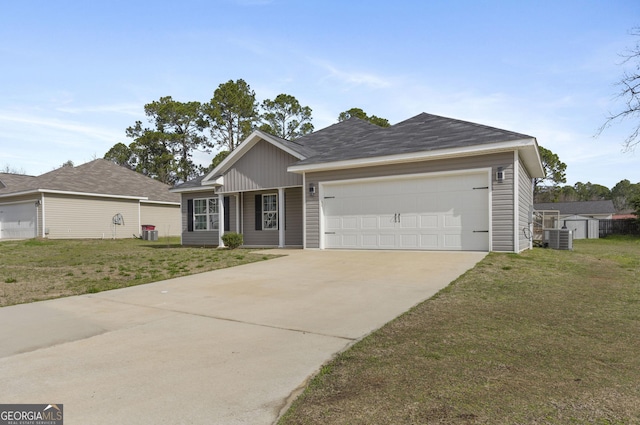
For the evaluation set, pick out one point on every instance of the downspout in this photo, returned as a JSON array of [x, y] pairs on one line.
[[44, 235], [281, 213], [221, 213], [304, 210]]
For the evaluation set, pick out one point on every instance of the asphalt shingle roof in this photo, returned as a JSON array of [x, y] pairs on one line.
[[579, 207], [97, 177], [355, 138]]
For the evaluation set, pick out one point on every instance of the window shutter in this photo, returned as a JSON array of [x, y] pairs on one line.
[[258, 212], [190, 215], [227, 216]]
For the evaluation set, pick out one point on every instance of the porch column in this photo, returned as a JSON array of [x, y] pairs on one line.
[[220, 220], [280, 217], [237, 197]]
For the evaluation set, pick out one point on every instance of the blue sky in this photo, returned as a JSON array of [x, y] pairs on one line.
[[75, 74]]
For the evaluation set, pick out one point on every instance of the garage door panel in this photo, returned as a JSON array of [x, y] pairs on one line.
[[409, 221], [428, 221], [387, 221], [429, 241], [333, 223], [368, 223], [387, 241], [452, 221], [409, 241], [419, 213], [452, 241]]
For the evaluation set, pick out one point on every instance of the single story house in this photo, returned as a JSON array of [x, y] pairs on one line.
[[582, 217], [427, 183], [99, 199]]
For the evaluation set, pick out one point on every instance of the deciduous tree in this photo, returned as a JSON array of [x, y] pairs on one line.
[[629, 92]]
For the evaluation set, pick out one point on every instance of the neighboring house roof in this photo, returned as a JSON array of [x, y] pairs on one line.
[[578, 208], [98, 177], [355, 142], [624, 216]]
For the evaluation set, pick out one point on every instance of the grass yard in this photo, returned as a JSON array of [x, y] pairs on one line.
[[545, 337], [40, 269]]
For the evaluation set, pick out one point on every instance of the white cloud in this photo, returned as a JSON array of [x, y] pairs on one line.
[[353, 78], [132, 109]]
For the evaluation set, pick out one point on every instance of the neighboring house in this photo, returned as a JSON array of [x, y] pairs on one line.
[[583, 217], [86, 202], [427, 183], [592, 209]]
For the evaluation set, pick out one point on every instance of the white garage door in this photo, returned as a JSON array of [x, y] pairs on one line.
[[447, 212], [18, 221]]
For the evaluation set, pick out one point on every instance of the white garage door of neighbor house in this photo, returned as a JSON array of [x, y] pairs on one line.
[[446, 212], [18, 221]]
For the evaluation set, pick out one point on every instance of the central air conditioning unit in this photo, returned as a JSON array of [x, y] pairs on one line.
[[558, 239]]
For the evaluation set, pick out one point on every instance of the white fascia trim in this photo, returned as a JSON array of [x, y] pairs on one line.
[[160, 202], [94, 195], [245, 146], [65, 192], [26, 192], [217, 182], [24, 201], [191, 189], [416, 156], [261, 189]]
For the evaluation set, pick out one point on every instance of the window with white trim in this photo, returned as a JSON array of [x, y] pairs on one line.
[[270, 211], [205, 214]]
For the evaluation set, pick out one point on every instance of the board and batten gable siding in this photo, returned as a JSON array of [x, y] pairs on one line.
[[525, 204], [166, 218], [264, 166], [85, 217], [502, 193]]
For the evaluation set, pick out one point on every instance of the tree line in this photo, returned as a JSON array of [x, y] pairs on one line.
[[625, 195], [164, 148]]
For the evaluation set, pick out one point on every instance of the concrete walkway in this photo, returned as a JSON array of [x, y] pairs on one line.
[[225, 347]]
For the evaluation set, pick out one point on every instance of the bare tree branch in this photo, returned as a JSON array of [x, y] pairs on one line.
[[630, 93]]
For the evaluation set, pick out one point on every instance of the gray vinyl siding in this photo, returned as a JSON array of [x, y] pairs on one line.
[[502, 193], [264, 166], [525, 202], [166, 218], [85, 217], [253, 237], [293, 216], [200, 237], [503, 212]]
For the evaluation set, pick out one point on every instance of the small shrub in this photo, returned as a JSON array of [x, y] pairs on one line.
[[10, 280], [232, 240]]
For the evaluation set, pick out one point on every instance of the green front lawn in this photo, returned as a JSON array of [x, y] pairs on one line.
[[545, 337], [40, 269]]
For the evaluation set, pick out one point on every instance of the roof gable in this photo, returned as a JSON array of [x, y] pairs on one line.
[[291, 147]]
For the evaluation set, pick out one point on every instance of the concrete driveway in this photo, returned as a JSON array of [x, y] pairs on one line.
[[231, 346]]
